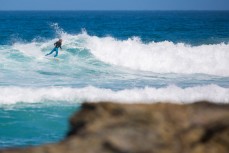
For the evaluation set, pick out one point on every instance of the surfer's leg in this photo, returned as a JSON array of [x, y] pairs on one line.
[[56, 53], [51, 52]]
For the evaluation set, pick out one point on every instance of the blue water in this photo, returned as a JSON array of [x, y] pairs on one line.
[[123, 56]]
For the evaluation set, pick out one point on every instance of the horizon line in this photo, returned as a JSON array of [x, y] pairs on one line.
[[122, 10]]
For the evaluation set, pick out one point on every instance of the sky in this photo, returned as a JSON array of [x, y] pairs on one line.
[[114, 4]]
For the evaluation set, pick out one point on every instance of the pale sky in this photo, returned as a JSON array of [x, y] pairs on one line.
[[114, 4]]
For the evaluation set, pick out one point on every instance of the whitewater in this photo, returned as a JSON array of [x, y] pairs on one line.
[[93, 68]]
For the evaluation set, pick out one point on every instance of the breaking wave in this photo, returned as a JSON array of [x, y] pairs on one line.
[[13, 95], [157, 57]]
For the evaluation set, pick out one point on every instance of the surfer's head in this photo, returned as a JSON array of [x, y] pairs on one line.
[[60, 40]]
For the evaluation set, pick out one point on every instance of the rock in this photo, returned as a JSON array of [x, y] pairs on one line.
[[144, 128]]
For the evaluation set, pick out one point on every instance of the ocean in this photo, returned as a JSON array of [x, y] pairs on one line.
[[122, 56]]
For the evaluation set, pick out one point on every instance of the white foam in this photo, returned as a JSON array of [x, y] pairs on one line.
[[39, 49], [30, 49], [161, 57], [157, 57], [214, 93]]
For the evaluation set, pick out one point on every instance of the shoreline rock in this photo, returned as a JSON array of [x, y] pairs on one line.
[[108, 127]]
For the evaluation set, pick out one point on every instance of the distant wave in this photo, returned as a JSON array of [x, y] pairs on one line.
[[214, 93]]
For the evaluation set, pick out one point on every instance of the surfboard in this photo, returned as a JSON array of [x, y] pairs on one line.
[[52, 58]]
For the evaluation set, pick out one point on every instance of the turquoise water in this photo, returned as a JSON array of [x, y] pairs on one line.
[[29, 125], [122, 56]]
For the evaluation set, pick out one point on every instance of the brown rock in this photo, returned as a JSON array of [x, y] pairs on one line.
[[144, 128]]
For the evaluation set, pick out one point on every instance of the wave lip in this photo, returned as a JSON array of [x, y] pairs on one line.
[[214, 93]]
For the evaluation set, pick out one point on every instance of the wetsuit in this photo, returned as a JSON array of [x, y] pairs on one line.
[[55, 49]]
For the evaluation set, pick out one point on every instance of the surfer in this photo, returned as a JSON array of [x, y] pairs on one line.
[[55, 49]]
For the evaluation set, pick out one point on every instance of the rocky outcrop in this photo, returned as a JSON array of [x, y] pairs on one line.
[[144, 128]]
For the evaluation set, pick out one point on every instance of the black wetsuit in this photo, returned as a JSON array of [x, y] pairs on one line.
[[58, 44]]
